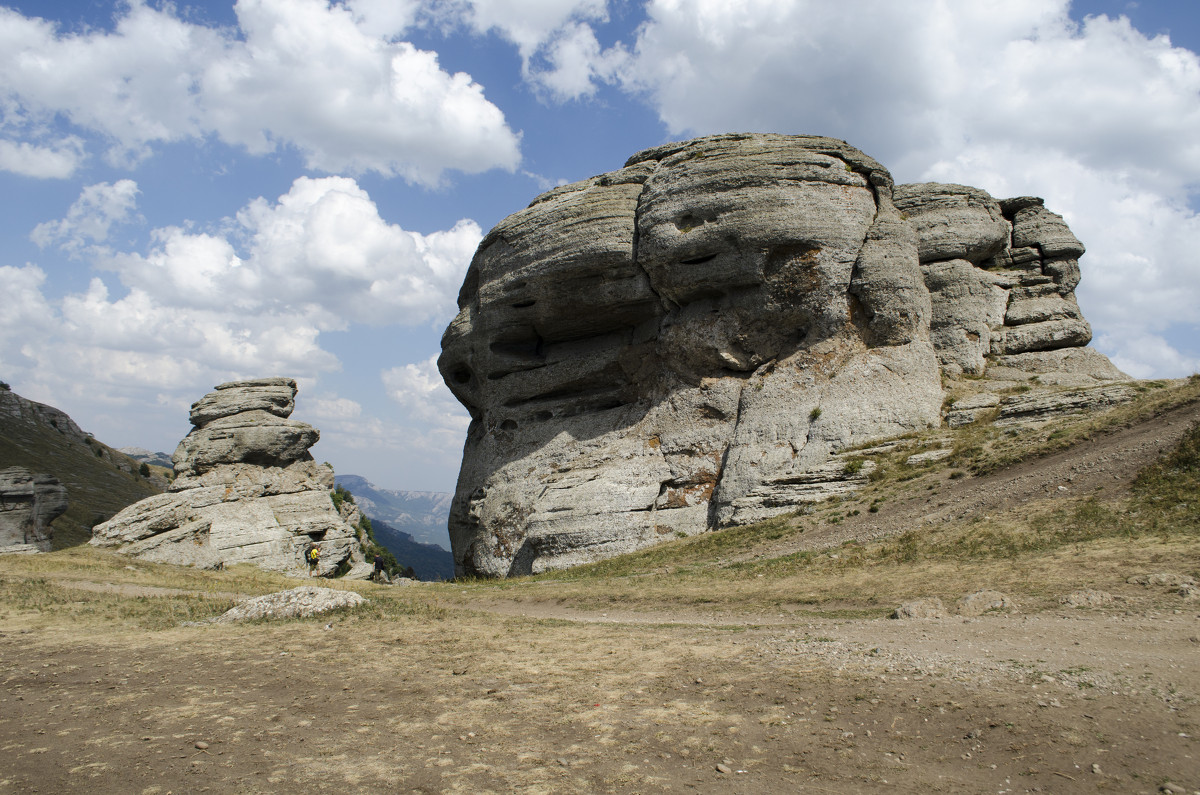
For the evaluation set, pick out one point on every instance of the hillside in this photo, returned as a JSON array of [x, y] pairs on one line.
[[100, 481], [421, 514], [757, 659]]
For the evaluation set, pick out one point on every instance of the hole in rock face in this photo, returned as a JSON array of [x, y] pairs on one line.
[[698, 260], [461, 375], [524, 304], [543, 416], [508, 425]]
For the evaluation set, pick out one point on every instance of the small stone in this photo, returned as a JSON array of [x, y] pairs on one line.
[[921, 608], [201, 745], [1096, 769], [984, 601], [723, 769]]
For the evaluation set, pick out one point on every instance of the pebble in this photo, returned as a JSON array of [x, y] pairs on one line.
[[723, 768], [201, 745]]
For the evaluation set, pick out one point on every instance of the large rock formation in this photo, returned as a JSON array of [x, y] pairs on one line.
[[246, 491], [28, 504], [691, 341]]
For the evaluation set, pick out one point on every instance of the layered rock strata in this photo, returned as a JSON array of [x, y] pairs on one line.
[[246, 491], [28, 504], [692, 341]]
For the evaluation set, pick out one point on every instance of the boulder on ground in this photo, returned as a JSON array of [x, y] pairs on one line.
[[931, 607], [984, 601], [302, 602], [1087, 597]]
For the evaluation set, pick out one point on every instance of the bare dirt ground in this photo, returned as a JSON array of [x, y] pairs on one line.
[[468, 688]]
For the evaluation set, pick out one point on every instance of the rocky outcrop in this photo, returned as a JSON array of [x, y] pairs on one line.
[[1001, 275], [246, 491], [28, 504], [691, 341]]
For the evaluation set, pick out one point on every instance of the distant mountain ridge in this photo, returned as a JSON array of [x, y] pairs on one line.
[[424, 515], [428, 561], [160, 459]]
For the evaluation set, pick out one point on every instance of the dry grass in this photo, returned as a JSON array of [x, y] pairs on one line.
[[1035, 552]]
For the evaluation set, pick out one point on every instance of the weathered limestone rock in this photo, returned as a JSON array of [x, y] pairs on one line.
[[691, 341], [1042, 406], [954, 221], [985, 601], [301, 602], [969, 409], [931, 607], [273, 395], [28, 504], [252, 437], [682, 344], [1087, 597], [246, 491]]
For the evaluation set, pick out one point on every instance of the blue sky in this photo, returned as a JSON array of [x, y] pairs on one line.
[[202, 191]]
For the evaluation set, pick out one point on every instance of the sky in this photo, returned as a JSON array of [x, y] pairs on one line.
[[198, 192]]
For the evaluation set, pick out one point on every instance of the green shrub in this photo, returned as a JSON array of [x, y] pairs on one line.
[[339, 495], [814, 414], [144, 470]]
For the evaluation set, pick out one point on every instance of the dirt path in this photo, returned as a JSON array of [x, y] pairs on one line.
[[1104, 465], [471, 703]]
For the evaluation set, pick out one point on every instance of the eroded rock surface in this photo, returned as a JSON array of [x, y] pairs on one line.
[[691, 341], [302, 602], [28, 504], [246, 491]]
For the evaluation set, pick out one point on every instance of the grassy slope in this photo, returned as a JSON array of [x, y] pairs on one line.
[[1038, 552], [95, 475]]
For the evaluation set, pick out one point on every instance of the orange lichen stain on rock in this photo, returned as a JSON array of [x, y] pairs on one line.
[[694, 493], [654, 442]]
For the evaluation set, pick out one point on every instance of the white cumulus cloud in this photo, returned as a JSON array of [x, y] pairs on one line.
[[420, 391], [555, 39], [89, 220], [199, 308], [59, 160], [321, 77]]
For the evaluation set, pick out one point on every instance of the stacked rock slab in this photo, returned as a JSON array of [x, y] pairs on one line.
[[28, 504], [246, 491], [694, 340], [1002, 278]]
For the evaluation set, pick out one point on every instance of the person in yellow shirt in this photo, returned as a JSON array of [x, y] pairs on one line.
[[313, 556]]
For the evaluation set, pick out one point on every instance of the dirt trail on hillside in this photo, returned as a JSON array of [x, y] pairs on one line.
[[1104, 466]]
